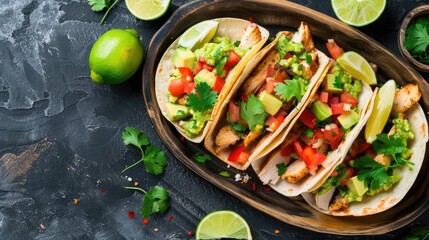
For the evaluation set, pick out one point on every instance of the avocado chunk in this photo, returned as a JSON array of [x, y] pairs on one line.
[[184, 57], [348, 119], [333, 84], [271, 103], [321, 110], [205, 76], [176, 112], [356, 186]]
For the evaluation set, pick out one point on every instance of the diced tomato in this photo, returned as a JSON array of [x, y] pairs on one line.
[[198, 67], [176, 87], [287, 150], [276, 123], [365, 146], [186, 73], [319, 158], [347, 98], [308, 118], [281, 76], [188, 87], [334, 173], [297, 147], [288, 55], [334, 50], [208, 67], [233, 59], [270, 120], [236, 152], [370, 152], [233, 112], [318, 134], [344, 181], [270, 85], [244, 157], [324, 97], [202, 59], [244, 98], [281, 112], [337, 108], [333, 100], [312, 158], [270, 72], [333, 136], [219, 83]]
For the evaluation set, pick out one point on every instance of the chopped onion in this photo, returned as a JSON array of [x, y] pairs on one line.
[[347, 107], [331, 40], [317, 144]]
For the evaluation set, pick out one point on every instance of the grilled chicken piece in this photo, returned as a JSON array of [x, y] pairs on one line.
[[323, 200], [252, 136], [225, 138], [303, 35], [255, 81], [310, 69], [339, 203], [383, 159], [295, 171], [270, 172], [252, 35], [405, 98]]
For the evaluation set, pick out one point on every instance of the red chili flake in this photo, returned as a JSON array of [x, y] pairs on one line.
[[102, 189], [131, 214], [251, 19], [254, 186], [170, 218], [191, 233], [145, 221], [182, 138], [267, 188], [276, 231]]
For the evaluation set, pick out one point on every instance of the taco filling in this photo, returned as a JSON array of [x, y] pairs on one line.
[[375, 167], [266, 98]]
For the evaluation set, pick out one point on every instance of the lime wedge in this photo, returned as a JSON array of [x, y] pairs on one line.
[[358, 67], [380, 113], [223, 224], [147, 9], [199, 34], [358, 12]]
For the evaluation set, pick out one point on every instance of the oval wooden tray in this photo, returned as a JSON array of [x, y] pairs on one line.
[[282, 15]]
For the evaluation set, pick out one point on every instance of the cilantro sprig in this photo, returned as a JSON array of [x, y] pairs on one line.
[[154, 201], [295, 87], [253, 112], [99, 5], [372, 172], [417, 39], [281, 169], [202, 158], [153, 158], [204, 99], [392, 146]]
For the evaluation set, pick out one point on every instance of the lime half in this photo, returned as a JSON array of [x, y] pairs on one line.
[[147, 9], [358, 12], [358, 67], [199, 34], [380, 113], [223, 224]]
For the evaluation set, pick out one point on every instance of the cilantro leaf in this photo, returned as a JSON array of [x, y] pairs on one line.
[[281, 169], [202, 158], [253, 112], [417, 38], [154, 160], [203, 100], [291, 88], [390, 145], [98, 5], [373, 173], [220, 65], [418, 233], [337, 82], [134, 137], [155, 201]]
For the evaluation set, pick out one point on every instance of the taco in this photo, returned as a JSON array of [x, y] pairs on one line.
[[314, 141], [190, 83], [267, 96], [377, 173]]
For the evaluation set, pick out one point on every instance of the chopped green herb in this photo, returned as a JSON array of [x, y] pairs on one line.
[[373, 173], [204, 99], [281, 169], [154, 201], [253, 112], [224, 174], [202, 158], [98, 5], [291, 88]]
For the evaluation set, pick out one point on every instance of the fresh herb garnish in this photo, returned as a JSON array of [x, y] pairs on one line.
[[238, 127], [153, 158], [224, 174], [204, 99], [393, 146], [291, 88], [202, 158], [220, 65], [281, 169], [337, 82], [253, 112], [417, 39], [372, 172], [418, 233], [154, 201], [98, 5]]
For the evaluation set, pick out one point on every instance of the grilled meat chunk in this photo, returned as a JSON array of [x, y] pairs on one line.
[[225, 138]]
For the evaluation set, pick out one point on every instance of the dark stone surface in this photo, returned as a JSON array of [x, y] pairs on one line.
[[60, 133]]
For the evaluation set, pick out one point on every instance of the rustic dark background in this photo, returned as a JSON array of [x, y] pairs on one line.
[[60, 134]]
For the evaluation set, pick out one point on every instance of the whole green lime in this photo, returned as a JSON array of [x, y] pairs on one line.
[[115, 56]]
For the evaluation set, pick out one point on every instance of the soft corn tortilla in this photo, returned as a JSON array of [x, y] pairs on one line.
[[308, 182], [268, 140], [387, 199], [228, 27]]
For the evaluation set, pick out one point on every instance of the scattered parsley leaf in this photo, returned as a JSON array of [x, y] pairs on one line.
[[134, 137], [154, 160], [98, 5], [253, 112], [202, 158], [281, 169], [155, 201], [237, 43], [224, 174], [373, 173], [337, 82], [203, 100], [289, 89]]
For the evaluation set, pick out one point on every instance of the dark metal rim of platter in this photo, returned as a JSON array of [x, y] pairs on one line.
[[286, 14]]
